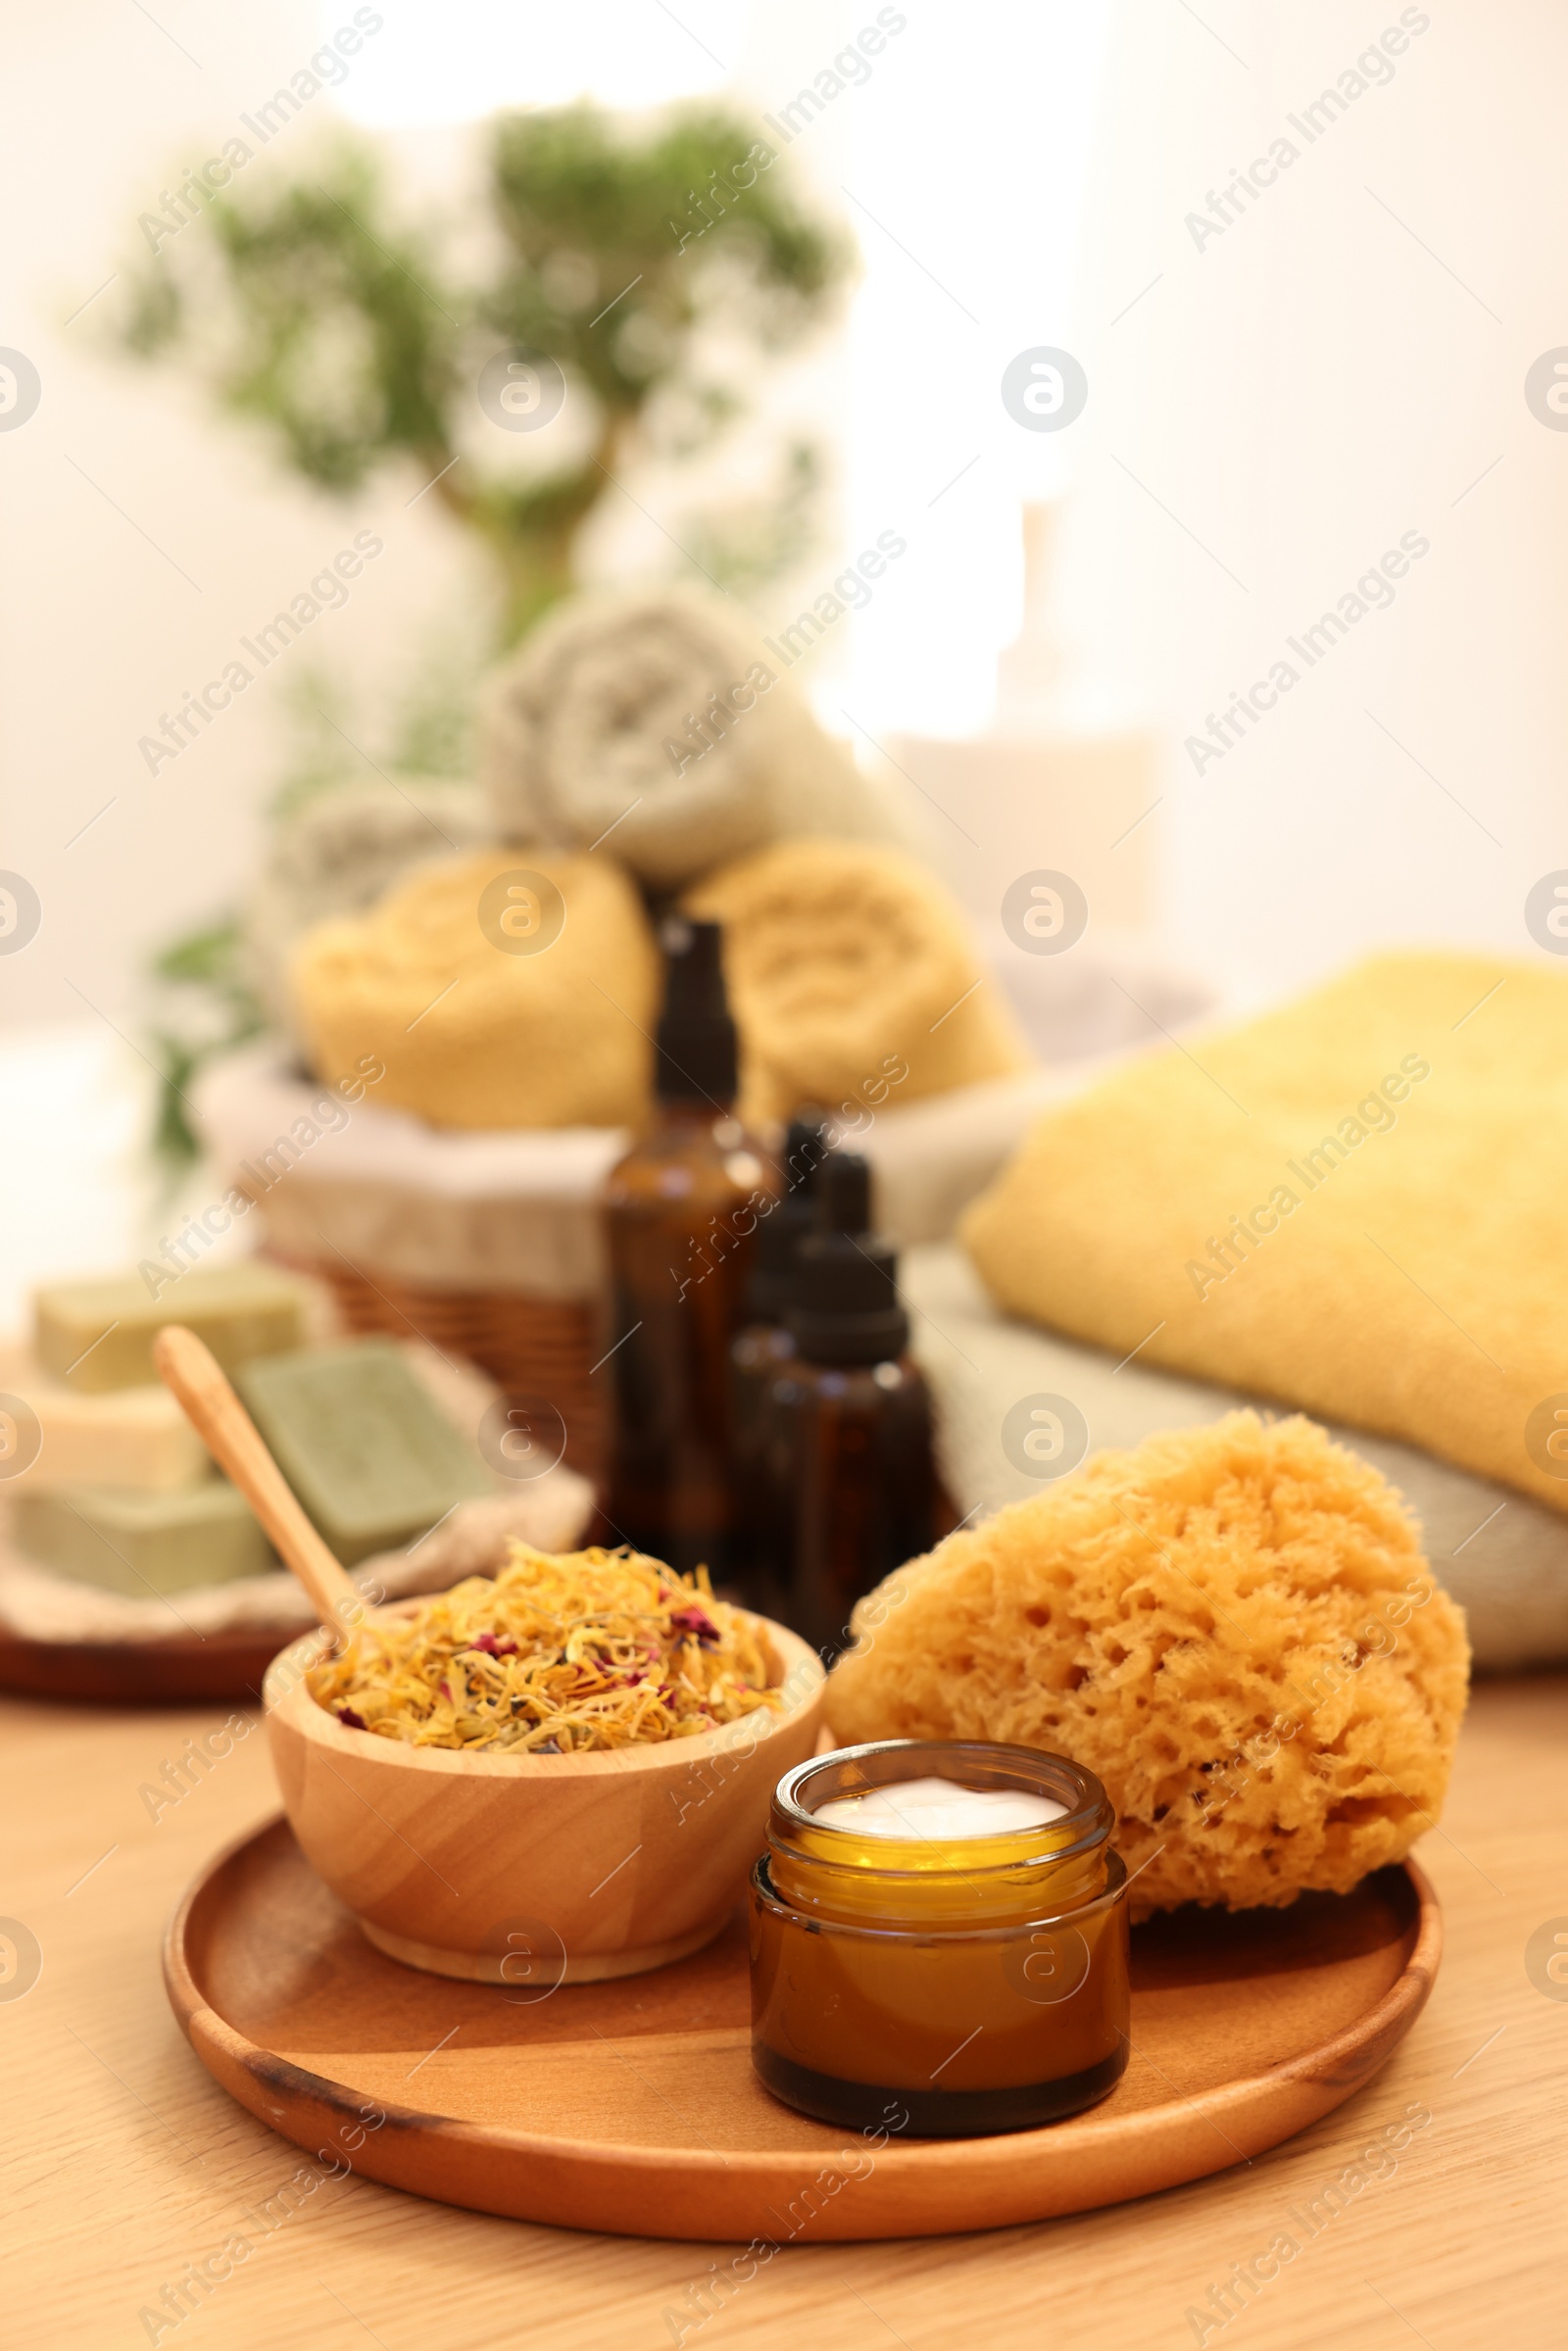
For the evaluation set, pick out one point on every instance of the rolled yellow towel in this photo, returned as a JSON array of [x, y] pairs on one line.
[[338, 856], [1233, 1625], [491, 1001], [1355, 1203], [848, 963]]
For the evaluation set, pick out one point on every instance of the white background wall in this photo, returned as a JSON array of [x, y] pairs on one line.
[[1307, 386], [109, 610], [1316, 380]]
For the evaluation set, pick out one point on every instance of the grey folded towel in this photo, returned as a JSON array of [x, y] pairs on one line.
[[1499, 1554], [659, 722]]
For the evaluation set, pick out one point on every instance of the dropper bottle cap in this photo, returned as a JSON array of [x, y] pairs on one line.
[[807, 1144], [696, 1056], [846, 1301]]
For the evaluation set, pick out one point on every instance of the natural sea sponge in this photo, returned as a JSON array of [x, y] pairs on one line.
[[1233, 1625], [847, 960], [471, 1032]]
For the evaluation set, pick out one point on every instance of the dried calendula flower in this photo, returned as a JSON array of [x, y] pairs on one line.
[[559, 1654]]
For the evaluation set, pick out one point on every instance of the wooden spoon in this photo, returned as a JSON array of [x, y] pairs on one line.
[[190, 1369]]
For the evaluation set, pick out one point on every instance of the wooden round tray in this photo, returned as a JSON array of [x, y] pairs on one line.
[[632, 2107]]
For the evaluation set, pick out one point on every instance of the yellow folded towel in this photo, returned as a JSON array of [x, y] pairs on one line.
[[850, 969], [475, 1026], [1358, 1204]]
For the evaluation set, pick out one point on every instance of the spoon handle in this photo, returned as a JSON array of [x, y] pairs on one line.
[[188, 1368]]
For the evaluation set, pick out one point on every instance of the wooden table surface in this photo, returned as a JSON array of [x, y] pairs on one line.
[[122, 2162]]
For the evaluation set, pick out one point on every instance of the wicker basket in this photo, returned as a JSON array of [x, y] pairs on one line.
[[489, 1247]]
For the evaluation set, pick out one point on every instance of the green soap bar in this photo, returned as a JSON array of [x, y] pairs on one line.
[[99, 1335], [360, 1443], [143, 1542]]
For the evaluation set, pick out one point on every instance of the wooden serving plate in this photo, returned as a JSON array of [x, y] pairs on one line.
[[630, 2106]]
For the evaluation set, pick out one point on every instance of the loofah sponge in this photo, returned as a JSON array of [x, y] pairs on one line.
[[1233, 1625], [846, 960], [470, 1033]]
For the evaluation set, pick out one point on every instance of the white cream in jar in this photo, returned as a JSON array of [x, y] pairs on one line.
[[938, 1808]]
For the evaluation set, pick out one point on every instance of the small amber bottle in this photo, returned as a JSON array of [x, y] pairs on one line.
[[846, 1485], [682, 1210], [763, 1342]]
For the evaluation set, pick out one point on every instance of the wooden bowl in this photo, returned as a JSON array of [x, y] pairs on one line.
[[537, 1870]]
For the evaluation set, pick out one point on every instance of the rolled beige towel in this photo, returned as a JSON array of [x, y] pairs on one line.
[[487, 997], [853, 977], [659, 715], [338, 854]]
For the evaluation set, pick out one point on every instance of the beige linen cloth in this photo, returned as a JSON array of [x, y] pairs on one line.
[[381, 1193]]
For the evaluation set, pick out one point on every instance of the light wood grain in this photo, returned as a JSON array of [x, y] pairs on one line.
[[192, 1373], [124, 2161]]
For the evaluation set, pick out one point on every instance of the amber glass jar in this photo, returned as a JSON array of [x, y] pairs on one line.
[[981, 1980]]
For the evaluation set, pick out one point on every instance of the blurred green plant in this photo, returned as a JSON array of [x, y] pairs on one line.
[[206, 1010], [426, 730], [658, 267], [207, 1007]]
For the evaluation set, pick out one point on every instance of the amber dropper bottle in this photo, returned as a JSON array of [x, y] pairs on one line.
[[763, 1342], [845, 1485], [682, 1210]]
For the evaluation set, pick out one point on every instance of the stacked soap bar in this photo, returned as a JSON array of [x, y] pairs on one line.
[[142, 1543], [122, 1492], [97, 1336], [136, 1436], [362, 1443]]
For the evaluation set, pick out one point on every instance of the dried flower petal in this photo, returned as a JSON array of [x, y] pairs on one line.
[[591, 1649]]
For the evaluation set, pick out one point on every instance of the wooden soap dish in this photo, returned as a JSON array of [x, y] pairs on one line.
[[630, 2106], [185, 1669]]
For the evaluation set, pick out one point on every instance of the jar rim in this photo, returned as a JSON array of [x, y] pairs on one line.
[[816, 1923], [1087, 1822]]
